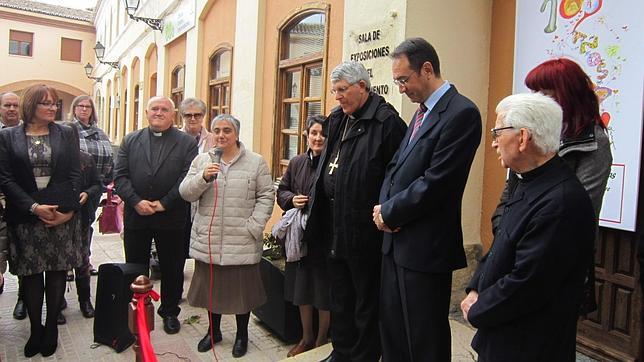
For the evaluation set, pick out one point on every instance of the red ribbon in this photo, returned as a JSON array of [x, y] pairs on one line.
[[147, 352]]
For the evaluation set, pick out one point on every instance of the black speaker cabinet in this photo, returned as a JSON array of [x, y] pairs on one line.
[[112, 297]]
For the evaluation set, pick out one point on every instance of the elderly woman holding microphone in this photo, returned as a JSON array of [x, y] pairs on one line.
[[235, 195]]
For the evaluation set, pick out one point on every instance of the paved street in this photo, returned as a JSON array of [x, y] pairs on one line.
[[76, 337]]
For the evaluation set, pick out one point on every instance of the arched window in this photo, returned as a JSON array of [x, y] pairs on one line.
[[300, 83], [219, 84], [136, 107], [178, 81]]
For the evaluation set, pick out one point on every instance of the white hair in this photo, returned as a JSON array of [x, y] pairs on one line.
[[160, 98], [536, 112], [352, 72]]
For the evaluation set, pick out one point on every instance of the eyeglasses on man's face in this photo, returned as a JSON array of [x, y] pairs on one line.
[[48, 104], [342, 90], [401, 81], [82, 106], [497, 131], [192, 115]]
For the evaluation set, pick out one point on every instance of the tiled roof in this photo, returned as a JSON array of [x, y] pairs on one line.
[[54, 10]]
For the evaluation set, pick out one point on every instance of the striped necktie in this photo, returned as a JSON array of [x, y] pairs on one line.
[[420, 113]]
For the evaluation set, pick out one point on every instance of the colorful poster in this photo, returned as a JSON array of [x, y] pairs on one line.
[[606, 38]]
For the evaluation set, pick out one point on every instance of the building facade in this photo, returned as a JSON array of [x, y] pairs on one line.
[[46, 44], [268, 62]]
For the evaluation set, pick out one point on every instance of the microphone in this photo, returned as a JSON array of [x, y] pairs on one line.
[[215, 157]]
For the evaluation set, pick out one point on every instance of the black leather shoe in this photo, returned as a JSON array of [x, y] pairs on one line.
[[87, 308], [171, 324], [92, 270], [240, 347], [335, 357], [20, 310], [32, 347], [60, 320], [205, 345]]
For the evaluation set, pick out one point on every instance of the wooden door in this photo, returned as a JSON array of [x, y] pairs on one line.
[[613, 331]]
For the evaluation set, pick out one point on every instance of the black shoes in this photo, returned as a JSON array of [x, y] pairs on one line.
[[20, 310], [87, 308], [171, 324], [240, 347], [60, 320], [32, 347], [336, 357], [205, 344], [92, 270]]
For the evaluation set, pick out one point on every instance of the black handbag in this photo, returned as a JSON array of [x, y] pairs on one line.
[[62, 194]]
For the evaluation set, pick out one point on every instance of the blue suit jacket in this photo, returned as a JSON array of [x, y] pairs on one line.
[[423, 187]]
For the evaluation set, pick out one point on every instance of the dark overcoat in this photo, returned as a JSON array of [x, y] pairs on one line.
[[531, 281], [367, 148]]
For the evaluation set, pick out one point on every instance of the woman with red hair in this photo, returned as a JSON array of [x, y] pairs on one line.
[[584, 142]]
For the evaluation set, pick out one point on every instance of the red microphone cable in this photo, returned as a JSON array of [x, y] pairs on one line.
[[210, 283]]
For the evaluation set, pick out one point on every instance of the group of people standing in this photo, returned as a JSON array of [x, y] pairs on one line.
[[382, 204], [384, 208]]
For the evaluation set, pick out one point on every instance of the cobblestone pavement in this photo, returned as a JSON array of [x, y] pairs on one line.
[[76, 338]]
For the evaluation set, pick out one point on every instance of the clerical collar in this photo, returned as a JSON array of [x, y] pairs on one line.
[[158, 134], [357, 114], [535, 173]]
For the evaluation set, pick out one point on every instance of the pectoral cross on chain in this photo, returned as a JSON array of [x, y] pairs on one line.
[[333, 165]]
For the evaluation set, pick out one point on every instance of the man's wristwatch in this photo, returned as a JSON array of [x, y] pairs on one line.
[[32, 209]]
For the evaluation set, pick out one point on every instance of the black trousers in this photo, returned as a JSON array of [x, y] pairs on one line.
[[171, 250], [414, 314], [354, 285]]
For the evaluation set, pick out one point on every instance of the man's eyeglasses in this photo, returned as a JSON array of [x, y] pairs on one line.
[[402, 80], [48, 104], [10, 105], [342, 90], [496, 131], [82, 106], [193, 115]]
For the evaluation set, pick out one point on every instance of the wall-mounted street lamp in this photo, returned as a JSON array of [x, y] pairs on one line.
[[131, 6], [99, 49], [88, 72]]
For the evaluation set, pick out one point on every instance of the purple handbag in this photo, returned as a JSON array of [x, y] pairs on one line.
[[110, 221]]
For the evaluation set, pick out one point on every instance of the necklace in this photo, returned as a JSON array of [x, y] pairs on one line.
[[334, 164]]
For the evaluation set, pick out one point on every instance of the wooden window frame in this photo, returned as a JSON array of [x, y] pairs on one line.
[[20, 43], [302, 64], [220, 84], [177, 91]]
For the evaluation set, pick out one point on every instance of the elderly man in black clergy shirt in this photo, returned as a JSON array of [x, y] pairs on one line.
[[525, 295], [151, 164], [363, 134]]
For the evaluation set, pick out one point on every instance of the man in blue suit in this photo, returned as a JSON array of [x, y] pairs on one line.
[[420, 209]]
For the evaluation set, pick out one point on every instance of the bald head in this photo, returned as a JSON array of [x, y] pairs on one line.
[[9, 111]]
